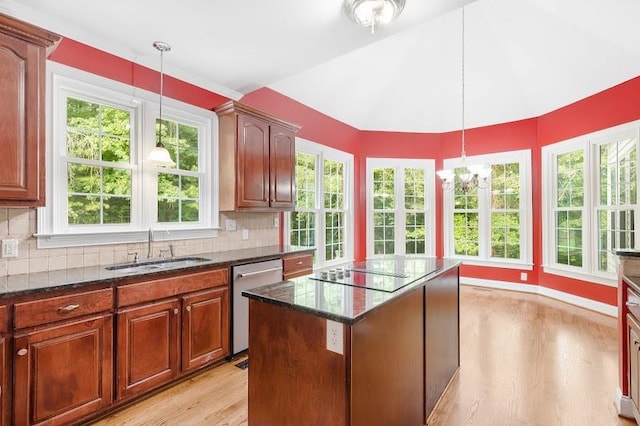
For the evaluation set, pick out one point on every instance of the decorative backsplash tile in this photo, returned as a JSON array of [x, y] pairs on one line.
[[21, 224]]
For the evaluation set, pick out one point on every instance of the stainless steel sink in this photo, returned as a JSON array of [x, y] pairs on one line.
[[156, 265]]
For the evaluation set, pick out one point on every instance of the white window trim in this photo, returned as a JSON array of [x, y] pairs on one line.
[[523, 157], [52, 229], [588, 144], [321, 153], [399, 164]]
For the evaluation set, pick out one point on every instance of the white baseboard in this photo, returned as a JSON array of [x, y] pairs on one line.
[[623, 404], [583, 302]]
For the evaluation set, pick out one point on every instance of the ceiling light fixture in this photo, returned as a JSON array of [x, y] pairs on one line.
[[475, 176], [372, 13], [159, 155]]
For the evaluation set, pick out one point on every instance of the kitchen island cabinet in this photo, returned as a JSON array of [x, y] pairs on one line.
[[328, 353]]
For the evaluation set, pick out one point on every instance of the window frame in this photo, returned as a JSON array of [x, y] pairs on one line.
[[399, 210], [320, 153], [525, 262], [589, 144], [53, 229]]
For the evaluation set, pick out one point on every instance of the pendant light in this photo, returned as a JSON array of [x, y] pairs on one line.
[[476, 176], [159, 156]]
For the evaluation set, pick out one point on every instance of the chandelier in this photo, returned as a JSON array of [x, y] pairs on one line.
[[159, 155], [475, 176], [372, 13]]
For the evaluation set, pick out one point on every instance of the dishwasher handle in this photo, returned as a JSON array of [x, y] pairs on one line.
[[262, 271]]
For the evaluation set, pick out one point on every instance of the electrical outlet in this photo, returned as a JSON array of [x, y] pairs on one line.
[[9, 248], [335, 337], [231, 225], [523, 276], [245, 234], [276, 222]]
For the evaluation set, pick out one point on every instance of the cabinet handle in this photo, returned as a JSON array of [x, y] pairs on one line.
[[632, 304], [175, 311], [22, 352], [299, 262], [636, 343], [68, 308], [262, 271], [188, 308]]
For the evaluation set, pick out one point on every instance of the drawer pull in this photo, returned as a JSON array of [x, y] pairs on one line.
[[68, 308], [299, 262], [22, 352]]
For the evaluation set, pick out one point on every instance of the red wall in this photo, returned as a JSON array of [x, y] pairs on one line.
[[614, 106]]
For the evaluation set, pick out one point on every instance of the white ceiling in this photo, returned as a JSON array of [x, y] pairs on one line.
[[523, 58]]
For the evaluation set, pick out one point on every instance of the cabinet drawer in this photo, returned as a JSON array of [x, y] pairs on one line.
[[146, 291], [3, 319], [42, 311], [297, 265]]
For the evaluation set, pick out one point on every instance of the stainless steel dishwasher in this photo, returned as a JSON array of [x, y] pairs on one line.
[[247, 277]]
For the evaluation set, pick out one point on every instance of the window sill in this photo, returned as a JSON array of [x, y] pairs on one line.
[[45, 241], [596, 279], [494, 263]]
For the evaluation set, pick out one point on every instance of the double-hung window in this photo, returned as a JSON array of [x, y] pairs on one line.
[[324, 204], [491, 223], [590, 202], [100, 188], [400, 207]]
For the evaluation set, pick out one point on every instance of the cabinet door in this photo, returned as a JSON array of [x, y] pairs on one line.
[[634, 363], [21, 128], [205, 328], [282, 167], [147, 347], [252, 187], [4, 386], [63, 372]]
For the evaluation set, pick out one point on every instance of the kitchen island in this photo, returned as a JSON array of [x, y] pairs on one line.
[[375, 345]]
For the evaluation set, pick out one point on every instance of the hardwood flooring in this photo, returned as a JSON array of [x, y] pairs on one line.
[[525, 360]]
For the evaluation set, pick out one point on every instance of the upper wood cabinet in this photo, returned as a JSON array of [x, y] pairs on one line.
[[23, 52], [257, 160]]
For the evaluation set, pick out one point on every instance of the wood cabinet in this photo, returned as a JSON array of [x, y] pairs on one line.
[[205, 328], [257, 160], [5, 370], [633, 341], [23, 52], [296, 265], [170, 326], [63, 372], [148, 347]]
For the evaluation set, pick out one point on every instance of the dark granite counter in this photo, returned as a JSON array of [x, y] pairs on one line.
[[628, 252], [15, 285], [346, 303]]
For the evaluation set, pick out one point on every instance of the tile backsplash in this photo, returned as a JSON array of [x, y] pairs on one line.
[[21, 223]]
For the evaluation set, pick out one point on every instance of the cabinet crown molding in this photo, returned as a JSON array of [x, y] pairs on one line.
[[235, 106]]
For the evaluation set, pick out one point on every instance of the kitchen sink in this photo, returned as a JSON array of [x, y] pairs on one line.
[[157, 265]]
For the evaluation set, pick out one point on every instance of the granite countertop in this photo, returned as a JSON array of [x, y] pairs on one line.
[[15, 285], [336, 301], [628, 252]]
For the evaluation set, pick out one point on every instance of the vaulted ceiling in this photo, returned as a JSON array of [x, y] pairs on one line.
[[523, 58]]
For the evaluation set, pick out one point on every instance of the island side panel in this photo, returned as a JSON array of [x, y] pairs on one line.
[[293, 378], [387, 364], [442, 334]]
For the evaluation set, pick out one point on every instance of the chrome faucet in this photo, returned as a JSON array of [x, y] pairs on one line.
[[150, 238]]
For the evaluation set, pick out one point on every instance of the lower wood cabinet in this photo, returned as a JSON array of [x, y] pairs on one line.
[[63, 372], [148, 347], [633, 336], [205, 328]]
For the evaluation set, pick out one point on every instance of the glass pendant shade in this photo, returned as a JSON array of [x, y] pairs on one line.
[[160, 156]]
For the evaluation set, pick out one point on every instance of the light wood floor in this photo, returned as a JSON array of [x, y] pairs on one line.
[[525, 360]]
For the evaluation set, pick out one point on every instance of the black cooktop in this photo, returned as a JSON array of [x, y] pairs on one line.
[[387, 274]]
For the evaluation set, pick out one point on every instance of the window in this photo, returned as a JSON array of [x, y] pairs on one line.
[[491, 224], [400, 207], [101, 190], [590, 203], [324, 211]]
